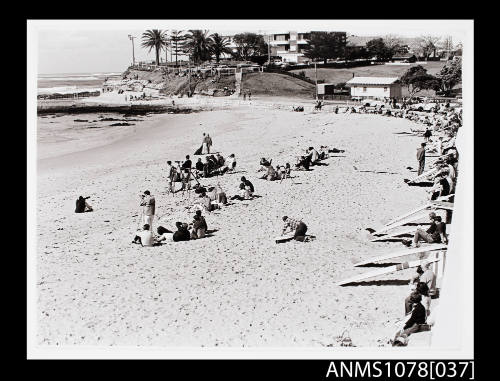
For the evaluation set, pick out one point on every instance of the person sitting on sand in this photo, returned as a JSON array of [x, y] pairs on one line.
[[304, 162], [422, 289], [314, 155], [206, 203], [220, 159], [82, 206], [441, 186], [230, 164], [436, 233], [271, 174], [248, 184], [200, 227], [199, 167], [429, 278], [244, 194], [417, 318], [182, 233], [264, 163], [298, 227], [144, 236], [187, 164], [221, 195]]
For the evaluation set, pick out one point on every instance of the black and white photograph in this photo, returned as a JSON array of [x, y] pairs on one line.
[[250, 188]]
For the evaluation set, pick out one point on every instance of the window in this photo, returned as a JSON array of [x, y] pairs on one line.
[[364, 89]]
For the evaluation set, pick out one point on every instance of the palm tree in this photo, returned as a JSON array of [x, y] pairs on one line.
[[157, 39], [219, 46], [198, 45]]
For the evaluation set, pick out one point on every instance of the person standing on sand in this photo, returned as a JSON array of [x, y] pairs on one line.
[[421, 159], [148, 204], [204, 145], [209, 143]]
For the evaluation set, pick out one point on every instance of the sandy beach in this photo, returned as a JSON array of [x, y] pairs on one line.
[[237, 288]]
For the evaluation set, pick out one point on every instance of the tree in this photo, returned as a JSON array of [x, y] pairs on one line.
[[377, 47], [325, 45], [157, 39], [450, 75], [426, 45], [447, 46], [416, 79], [392, 41], [219, 46], [249, 45], [177, 40], [356, 52], [197, 45]]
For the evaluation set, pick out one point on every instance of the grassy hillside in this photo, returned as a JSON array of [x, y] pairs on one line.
[[331, 75], [274, 84]]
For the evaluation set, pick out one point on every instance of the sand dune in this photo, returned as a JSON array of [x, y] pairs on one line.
[[236, 288]]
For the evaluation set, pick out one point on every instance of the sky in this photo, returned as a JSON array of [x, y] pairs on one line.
[[94, 46]]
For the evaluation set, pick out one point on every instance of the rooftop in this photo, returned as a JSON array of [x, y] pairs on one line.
[[372, 80]]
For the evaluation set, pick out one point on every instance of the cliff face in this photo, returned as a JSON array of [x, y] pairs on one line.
[[158, 82]]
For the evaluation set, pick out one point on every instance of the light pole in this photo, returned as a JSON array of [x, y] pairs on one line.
[[131, 38], [316, 79]]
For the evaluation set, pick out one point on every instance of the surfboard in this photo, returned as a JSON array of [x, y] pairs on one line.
[[283, 238], [386, 270], [408, 214], [401, 222], [402, 253], [423, 175], [442, 205]]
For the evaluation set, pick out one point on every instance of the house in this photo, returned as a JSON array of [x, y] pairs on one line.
[[375, 87], [290, 45]]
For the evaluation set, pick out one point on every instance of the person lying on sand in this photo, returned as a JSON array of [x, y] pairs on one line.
[[82, 206], [144, 236], [200, 227], [436, 233], [298, 227], [163, 233]]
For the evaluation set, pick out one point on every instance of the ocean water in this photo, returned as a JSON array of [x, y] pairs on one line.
[[73, 82]]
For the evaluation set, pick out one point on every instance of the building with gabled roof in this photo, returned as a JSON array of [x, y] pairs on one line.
[[375, 87]]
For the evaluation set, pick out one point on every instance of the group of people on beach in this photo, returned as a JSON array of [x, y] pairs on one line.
[[443, 174]]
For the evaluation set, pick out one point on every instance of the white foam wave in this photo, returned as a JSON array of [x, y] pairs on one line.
[[83, 78], [66, 89]]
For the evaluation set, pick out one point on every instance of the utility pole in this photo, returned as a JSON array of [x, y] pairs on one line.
[[269, 49], [316, 79], [131, 38]]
